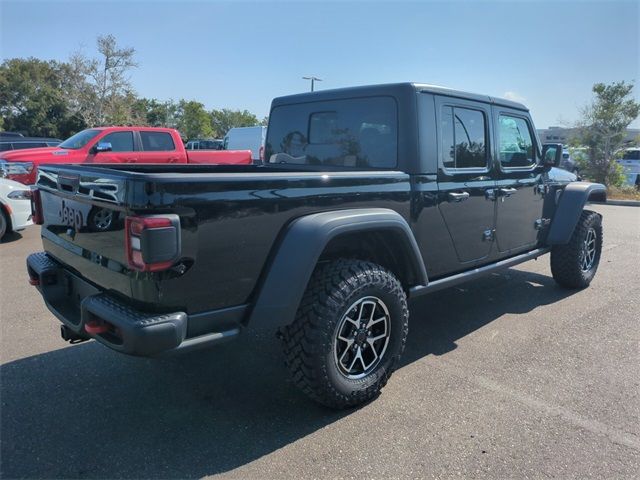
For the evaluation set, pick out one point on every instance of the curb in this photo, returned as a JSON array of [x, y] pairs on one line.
[[622, 203]]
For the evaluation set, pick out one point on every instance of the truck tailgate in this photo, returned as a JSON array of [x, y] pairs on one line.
[[83, 215]]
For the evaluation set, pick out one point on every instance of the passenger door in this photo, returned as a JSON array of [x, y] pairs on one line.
[[466, 176], [122, 149], [519, 189], [159, 147]]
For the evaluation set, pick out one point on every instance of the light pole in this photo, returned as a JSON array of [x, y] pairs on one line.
[[313, 79]]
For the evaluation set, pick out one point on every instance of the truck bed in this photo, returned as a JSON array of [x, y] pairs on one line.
[[230, 219]]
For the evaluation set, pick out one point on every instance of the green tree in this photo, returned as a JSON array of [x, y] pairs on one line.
[[194, 121], [100, 89], [225, 119], [32, 98], [602, 129], [151, 112]]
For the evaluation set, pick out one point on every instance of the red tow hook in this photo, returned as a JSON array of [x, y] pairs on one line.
[[96, 328]]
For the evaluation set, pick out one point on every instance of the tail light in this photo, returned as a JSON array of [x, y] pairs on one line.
[[36, 207], [152, 242], [16, 171]]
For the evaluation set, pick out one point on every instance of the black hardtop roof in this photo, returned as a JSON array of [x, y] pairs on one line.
[[393, 89]]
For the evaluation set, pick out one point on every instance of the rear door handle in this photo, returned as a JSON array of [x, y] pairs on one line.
[[454, 197], [507, 192]]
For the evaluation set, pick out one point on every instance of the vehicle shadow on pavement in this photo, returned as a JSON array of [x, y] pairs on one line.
[[11, 237], [86, 412], [438, 320]]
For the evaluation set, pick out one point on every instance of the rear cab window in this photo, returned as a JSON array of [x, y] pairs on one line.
[[157, 141], [463, 138], [354, 133]]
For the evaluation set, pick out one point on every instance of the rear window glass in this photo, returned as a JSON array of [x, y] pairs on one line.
[[157, 141], [359, 132], [631, 155]]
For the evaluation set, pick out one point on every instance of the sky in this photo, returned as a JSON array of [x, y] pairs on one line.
[[241, 54]]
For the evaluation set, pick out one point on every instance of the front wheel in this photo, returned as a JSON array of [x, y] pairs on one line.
[[3, 224], [348, 334], [575, 264]]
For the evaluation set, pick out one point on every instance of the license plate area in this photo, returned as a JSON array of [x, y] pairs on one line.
[[66, 295]]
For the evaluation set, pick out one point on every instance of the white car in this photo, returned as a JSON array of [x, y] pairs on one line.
[[630, 162], [15, 206]]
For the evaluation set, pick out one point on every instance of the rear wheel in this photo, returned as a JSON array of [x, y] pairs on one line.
[[348, 334], [575, 264], [100, 219], [4, 224]]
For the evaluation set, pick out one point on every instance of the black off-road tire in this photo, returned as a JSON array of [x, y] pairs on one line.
[[567, 260], [309, 340], [4, 224]]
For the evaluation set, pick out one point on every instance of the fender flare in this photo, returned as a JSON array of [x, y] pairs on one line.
[[569, 208], [297, 254]]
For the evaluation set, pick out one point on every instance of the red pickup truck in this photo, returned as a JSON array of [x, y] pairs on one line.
[[116, 145]]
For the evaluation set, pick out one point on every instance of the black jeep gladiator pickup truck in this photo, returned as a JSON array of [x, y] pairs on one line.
[[368, 196]]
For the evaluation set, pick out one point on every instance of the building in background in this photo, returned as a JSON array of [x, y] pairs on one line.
[[564, 135]]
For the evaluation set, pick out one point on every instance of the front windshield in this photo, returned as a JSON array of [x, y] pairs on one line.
[[79, 140]]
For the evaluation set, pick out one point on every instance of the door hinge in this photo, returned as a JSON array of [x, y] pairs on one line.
[[542, 223], [542, 189]]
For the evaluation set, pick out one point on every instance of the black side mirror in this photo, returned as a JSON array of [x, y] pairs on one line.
[[551, 154], [102, 147]]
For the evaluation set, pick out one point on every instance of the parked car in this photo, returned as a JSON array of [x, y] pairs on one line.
[[567, 163], [370, 196], [247, 138], [19, 142], [119, 145], [15, 206], [205, 144], [630, 162]]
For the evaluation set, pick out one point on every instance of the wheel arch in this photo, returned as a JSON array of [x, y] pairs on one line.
[[326, 236], [569, 208]]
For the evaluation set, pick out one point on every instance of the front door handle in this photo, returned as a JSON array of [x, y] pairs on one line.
[[507, 192], [457, 197]]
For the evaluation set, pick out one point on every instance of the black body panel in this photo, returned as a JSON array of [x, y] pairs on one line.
[[251, 235]]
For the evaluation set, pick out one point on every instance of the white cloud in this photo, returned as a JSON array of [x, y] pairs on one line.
[[514, 96]]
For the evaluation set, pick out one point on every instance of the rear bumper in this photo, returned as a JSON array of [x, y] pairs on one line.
[[92, 313]]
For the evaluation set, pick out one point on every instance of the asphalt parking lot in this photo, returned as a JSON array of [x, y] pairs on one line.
[[506, 377]]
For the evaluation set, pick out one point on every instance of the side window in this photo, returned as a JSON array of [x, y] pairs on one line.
[[120, 141], [515, 142], [354, 133], [463, 138], [157, 141]]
